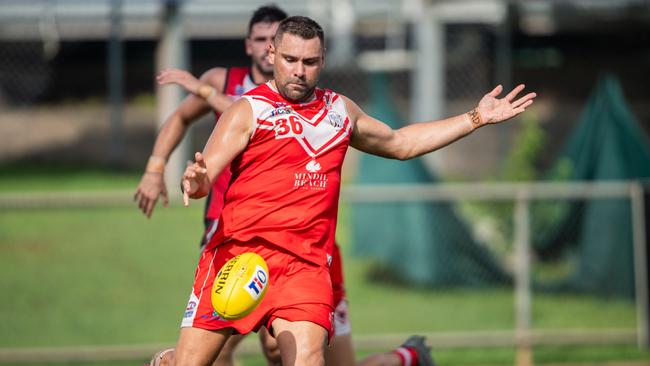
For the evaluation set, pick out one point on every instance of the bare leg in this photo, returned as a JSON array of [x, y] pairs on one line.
[[382, 359], [199, 347], [270, 348], [302, 343], [227, 355], [417, 351], [225, 358], [340, 352]]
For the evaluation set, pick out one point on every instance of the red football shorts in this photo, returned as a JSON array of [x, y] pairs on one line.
[[298, 290], [336, 272]]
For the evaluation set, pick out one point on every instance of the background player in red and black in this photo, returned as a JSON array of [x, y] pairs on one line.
[[227, 84]]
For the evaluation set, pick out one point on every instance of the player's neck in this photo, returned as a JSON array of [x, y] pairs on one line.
[[311, 98], [258, 76]]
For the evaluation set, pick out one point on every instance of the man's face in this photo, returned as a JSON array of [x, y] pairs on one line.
[[297, 65], [257, 45]]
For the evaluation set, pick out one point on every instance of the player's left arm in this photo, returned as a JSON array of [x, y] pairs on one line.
[[375, 137]]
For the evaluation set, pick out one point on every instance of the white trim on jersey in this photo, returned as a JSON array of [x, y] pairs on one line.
[[248, 84], [320, 133]]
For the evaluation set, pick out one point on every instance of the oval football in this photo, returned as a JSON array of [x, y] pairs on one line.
[[239, 286]]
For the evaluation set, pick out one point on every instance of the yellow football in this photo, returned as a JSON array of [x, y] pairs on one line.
[[240, 285]]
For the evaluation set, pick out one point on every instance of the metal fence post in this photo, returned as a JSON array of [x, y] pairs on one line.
[[116, 81], [522, 279], [172, 53], [428, 76], [640, 263]]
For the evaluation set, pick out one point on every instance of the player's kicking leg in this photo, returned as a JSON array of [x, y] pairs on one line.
[[199, 347], [226, 356]]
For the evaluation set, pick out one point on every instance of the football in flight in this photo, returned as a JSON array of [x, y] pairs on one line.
[[240, 285]]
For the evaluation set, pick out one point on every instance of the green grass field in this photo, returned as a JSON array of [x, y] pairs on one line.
[[109, 276]]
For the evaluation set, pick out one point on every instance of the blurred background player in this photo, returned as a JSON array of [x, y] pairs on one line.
[[225, 85]]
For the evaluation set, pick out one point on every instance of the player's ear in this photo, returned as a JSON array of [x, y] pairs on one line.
[[271, 56], [249, 46]]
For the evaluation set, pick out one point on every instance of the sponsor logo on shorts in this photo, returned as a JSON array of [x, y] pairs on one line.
[[213, 316], [190, 309], [256, 284]]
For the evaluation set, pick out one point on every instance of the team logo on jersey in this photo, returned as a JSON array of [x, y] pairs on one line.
[[239, 89], [313, 166], [335, 120]]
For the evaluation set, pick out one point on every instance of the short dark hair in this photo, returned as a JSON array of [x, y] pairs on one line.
[[304, 27], [266, 14]]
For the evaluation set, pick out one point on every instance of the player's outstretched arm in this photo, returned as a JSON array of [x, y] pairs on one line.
[[217, 100], [152, 184], [375, 137], [228, 139]]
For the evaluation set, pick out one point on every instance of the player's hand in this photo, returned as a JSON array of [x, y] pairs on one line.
[[494, 110], [151, 187], [195, 182], [179, 77]]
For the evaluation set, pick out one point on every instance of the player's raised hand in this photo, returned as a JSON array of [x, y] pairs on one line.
[[492, 109], [195, 182], [179, 77]]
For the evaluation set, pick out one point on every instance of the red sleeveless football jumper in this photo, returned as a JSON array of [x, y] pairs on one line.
[[285, 185]]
